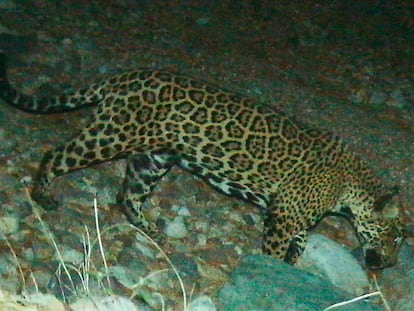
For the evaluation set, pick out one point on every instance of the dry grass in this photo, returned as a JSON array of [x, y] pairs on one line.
[[85, 270], [378, 292]]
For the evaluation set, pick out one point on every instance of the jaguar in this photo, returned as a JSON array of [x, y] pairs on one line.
[[156, 119]]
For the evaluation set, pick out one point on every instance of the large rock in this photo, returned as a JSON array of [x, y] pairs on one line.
[[327, 259], [264, 283]]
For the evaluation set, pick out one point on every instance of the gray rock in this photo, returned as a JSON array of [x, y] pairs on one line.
[[7, 4], [397, 99], [181, 210], [406, 304], [8, 272], [202, 303], [70, 255], [264, 283], [176, 228], [203, 21], [9, 225], [107, 303], [27, 302], [124, 276], [378, 98], [326, 258], [400, 279]]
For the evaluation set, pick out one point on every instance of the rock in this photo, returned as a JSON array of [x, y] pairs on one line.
[[124, 276], [70, 255], [144, 247], [7, 4], [203, 21], [264, 283], [326, 258], [41, 302], [202, 303], [109, 303], [176, 228], [201, 240], [397, 99], [8, 273], [210, 272], [9, 225], [31, 302], [406, 304], [400, 279], [378, 98], [181, 210]]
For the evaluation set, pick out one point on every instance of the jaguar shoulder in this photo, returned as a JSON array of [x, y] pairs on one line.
[[157, 119]]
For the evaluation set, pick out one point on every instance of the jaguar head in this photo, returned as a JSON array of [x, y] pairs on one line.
[[384, 233], [381, 243]]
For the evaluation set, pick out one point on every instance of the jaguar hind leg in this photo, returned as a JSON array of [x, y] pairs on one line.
[[142, 174], [87, 148]]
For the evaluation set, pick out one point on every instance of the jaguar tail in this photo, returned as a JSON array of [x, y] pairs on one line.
[[38, 105]]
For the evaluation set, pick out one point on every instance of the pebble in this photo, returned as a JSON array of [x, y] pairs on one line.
[[203, 21], [181, 210], [144, 244], [202, 303], [70, 255], [8, 273], [26, 179], [107, 303], [210, 272], [145, 249], [201, 226], [7, 4], [201, 240], [103, 69], [357, 97], [378, 98], [67, 42], [397, 99], [7, 145], [236, 217], [9, 225], [123, 276], [176, 228]]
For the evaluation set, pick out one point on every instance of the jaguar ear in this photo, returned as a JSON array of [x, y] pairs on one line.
[[380, 203]]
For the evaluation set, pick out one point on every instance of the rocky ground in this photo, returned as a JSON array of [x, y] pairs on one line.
[[346, 66]]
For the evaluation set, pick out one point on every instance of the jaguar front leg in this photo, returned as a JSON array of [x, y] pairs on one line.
[[296, 247], [283, 238]]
